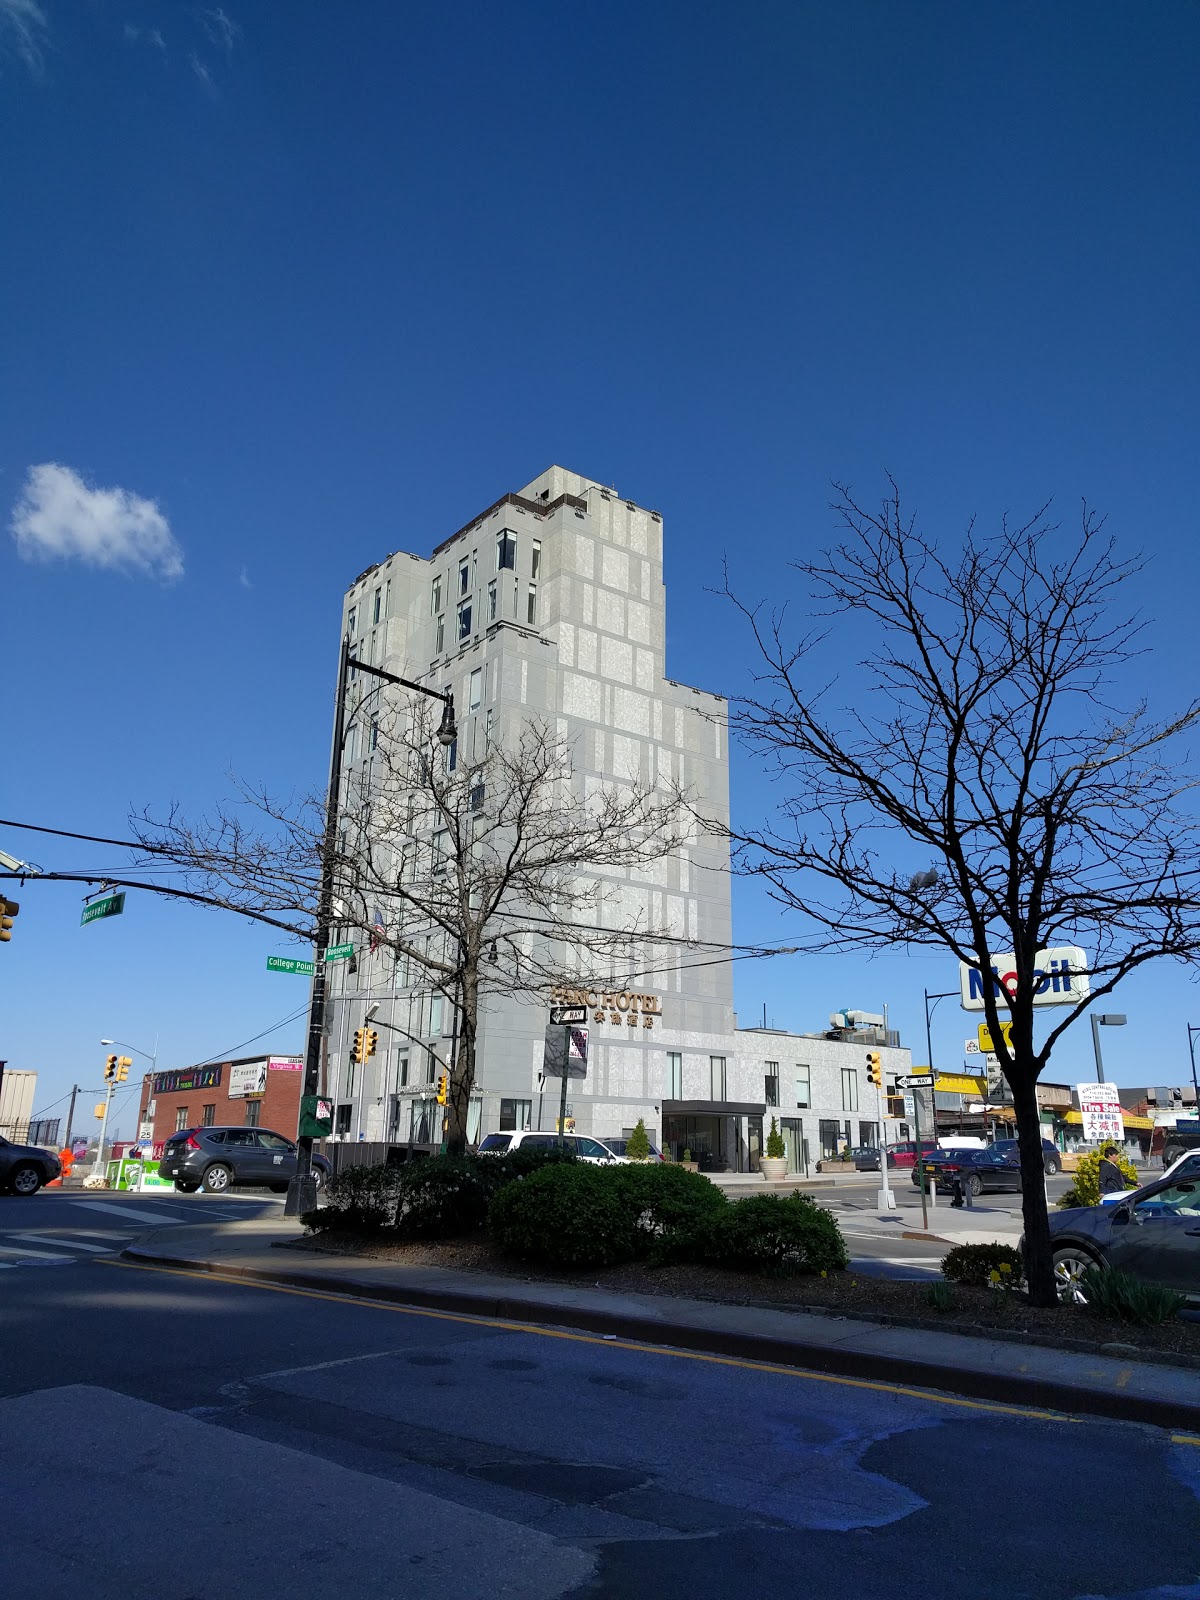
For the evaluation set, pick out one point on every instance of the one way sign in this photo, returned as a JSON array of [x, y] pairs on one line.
[[567, 1016]]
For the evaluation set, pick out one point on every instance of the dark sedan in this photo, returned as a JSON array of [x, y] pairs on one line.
[[1154, 1233], [977, 1170], [217, 1159], [24, 1168]]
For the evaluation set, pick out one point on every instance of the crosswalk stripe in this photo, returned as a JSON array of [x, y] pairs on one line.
[[37, 1255], [66, 1244], [126, 1211]]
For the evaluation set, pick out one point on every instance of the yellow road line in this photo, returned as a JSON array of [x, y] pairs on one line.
[[607, 1343], [1185, 1438]]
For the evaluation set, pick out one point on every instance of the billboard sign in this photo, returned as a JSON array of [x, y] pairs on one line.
[[285, 1063], [1060, 979], [565, 1053], [247, 1077], [1100, 1108]]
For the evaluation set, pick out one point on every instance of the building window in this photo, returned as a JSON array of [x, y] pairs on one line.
[[208, 1116], [515, 1115], [377, 607], [674, 1075], [830, 1132], [849, 1089], [452, 755], [435, 600], [489, 727], [771, 1083], [506, 551], [351, 620], [253, 1112], [475, 690], [464, 577], [866, 1135], [492, 601], [441, 851], [395, 1112], [374, 740], [181, 1118], [436, 1004], [440, 644], [464, 620], [536, 563], [431, 1065], [531, 605], [402, 1069], [716, 1073], [387, 598], [342, 1127], [803, 1096], [350, 1065]]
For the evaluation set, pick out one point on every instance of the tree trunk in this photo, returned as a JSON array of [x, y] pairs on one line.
[[462, 1078], [1039, 1272]]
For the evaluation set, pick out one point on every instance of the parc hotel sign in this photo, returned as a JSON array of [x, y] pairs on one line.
[[619, 1007]]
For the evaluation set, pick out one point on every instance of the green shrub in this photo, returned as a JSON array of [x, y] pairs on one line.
[[674, 1210], [1085, 1188], [637, 1147], [778, 1236], [940, 1296], [442, 1197], [775, 1146], [570, 1214], [973, 1264], [1117, 1294], [498, 1171], [359, 1200]]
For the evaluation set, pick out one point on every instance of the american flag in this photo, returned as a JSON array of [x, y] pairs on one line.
[[377, 929]]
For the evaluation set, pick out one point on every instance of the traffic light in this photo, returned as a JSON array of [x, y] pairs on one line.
[[8, 910], [443, 1086], [359, 1053], [372, 1040], [123, 1065], [110, 1069], [875, 1068]]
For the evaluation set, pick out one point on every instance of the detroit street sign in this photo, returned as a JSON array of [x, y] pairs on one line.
[[287, 964], [566, 1016]]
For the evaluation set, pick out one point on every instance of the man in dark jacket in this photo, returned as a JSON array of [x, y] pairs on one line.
[[1112, 1179]]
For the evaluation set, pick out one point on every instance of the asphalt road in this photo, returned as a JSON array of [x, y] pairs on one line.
[[170, 1436]]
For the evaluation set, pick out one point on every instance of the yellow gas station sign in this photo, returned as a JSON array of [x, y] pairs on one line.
[[960, 1083], [985, 1036]]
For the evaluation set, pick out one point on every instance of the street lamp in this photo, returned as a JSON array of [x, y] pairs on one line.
[[302, 1190], [1109, 1019], [1192, 1032], [152, 1059]]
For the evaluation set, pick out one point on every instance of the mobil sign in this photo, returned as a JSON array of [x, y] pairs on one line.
[[1060, 979]]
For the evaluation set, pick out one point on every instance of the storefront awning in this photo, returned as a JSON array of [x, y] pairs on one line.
[[1075, 1118], [712, 1108]]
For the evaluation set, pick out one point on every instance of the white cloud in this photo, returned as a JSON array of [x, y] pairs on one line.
[[221, 29], [60, 517], [244, 578], [24, 24], [203, 76], [152, 36]]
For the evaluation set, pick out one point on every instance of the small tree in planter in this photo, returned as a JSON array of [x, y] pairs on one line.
[[774, 1163], [637, 1146]]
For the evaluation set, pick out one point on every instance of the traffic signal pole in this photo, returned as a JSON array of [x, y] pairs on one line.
[[98, 1164]]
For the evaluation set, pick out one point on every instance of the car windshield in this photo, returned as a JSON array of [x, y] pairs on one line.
[[496, 1141]]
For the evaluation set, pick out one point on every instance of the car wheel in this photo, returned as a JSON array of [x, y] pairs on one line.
[[318, 1175], [1053, 1165], [974, 1183], [1070, 1264], [25, 1179], [186, 1188], [217, 1179]]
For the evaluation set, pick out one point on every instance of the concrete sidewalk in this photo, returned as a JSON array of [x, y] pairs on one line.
[[1007, 1371]]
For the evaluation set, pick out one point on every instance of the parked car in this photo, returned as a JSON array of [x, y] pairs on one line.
[[618, 1148], [976, 1170], [1051, 1154], [867, 1159], [904, 1154], [1154, 1234], [24, 1168], [580, 1144], [218, 1159]]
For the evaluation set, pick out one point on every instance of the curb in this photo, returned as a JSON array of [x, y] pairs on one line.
[[1002, 1388]]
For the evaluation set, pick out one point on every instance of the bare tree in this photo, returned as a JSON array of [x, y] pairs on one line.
[[484, 877], [981, 794]]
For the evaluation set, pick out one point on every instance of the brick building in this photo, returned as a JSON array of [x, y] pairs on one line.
[[255, 1091]]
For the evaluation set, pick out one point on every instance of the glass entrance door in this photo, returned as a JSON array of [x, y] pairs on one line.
[[794, 1146]]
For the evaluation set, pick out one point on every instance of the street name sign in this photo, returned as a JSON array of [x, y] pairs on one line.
[[287, 964], [566, 1016], [917, 1080], [339, 952], [111, 905]]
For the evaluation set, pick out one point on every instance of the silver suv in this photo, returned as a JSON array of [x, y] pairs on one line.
[[586, 1148]]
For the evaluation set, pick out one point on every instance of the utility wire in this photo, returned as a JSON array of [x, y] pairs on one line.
[[226, 1055]]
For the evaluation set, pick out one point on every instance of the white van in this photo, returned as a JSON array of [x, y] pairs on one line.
[[961, 1141], [585, 1148]]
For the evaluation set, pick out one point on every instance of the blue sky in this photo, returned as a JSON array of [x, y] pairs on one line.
[[308, 283]]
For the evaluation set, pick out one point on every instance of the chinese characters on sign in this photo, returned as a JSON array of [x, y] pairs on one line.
[[1100, 1108], [618, 1008]]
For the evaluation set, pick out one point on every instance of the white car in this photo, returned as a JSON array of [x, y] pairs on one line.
[[584, 1147]]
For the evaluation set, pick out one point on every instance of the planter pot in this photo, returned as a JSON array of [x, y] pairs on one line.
[[689, 1166], [773, 1168]]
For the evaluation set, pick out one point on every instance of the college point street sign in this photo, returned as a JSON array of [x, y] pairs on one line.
[[1060, 979]]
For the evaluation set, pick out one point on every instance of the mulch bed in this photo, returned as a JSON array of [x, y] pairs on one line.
[[975, 1311]]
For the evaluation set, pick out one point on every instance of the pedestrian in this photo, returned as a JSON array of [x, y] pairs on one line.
[[1112, 1179]]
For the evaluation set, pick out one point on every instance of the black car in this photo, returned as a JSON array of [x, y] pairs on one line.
[[976, 1170], [215, 1159], [24, 1168], [1051, 1154]]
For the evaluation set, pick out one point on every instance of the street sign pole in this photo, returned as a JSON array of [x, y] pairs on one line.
[[99, 1161], [885, 1197], [562, 1103], [920, 1162]]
